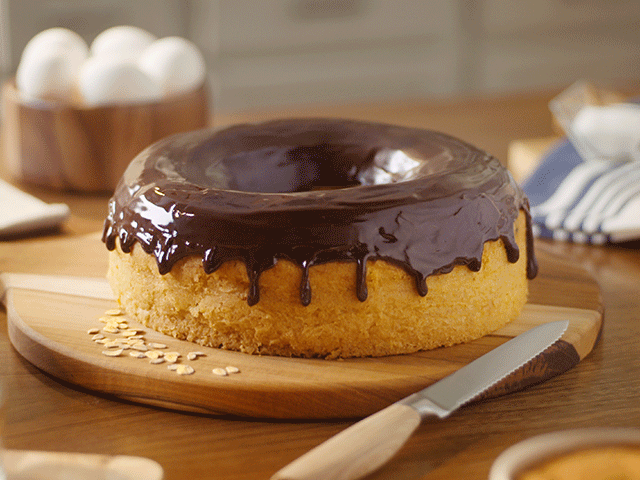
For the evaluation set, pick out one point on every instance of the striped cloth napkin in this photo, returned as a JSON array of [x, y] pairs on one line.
[[587, 201]]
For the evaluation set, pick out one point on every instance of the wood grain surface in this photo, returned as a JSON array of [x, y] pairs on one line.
[[50, 330], [45, 413]]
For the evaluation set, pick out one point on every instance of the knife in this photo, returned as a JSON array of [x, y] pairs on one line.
[[370, 443]]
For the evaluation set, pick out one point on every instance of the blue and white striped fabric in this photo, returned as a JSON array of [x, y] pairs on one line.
[[594, 201]]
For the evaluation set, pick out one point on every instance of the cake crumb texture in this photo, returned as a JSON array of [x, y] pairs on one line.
[[212, 310]]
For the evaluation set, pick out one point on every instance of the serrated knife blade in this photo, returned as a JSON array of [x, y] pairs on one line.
[[447, 395], [370, 443]]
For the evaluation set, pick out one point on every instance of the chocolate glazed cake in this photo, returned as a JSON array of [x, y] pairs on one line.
[[308, 202]]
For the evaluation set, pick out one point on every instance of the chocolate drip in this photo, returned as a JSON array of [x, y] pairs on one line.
[[532, 263], [305, 286], [421, 285], [254, 290], [361, 279], [210, 261], [316, 191]]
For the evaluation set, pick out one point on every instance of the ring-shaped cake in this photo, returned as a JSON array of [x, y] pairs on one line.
[[319, 237]]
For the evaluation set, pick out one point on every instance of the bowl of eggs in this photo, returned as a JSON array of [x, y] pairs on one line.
[[76, 114]]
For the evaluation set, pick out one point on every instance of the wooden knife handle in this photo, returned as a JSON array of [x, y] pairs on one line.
[[357, 451]]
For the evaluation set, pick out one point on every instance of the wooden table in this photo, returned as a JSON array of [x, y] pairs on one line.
[[45, 414]]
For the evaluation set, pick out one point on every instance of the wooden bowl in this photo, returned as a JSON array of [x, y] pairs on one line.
[[87, 149], [549, 447]]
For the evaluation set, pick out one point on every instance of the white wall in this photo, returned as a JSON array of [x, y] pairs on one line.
[[278, 52]]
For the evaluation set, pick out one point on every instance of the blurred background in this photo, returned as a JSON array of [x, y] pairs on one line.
[[274, 53]]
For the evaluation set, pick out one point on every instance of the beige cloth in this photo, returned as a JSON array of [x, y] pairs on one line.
[[23, 214]]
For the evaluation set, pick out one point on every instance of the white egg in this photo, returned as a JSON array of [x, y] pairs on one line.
[[67, 39], [50, 63], [108, 79], [175, 63], [48, 75], [122, 40]]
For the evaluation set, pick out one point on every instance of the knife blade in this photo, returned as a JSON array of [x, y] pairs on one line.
[[370, 443]]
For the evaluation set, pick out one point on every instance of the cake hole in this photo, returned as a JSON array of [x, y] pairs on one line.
[[291, 168]]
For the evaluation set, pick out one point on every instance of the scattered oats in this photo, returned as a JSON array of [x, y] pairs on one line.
[[220, 372], [103, 340], [97, 336], [113, 344], [123, 325], [171, 357], [194, 355], [138, 354], [153, 354], [136, 341], [231, 369], [157, 345], [184, 369], [112, 353], [110, 329], [177, 354], [93, 331], [136, 337], [129, 333], [114, 312], [156, 361], [124, 346], [140, 347], [172, 366]]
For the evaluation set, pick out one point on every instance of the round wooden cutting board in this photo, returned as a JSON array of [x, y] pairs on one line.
[[51, 330]]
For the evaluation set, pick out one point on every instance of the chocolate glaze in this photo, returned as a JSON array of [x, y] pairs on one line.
[[315, 191]]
